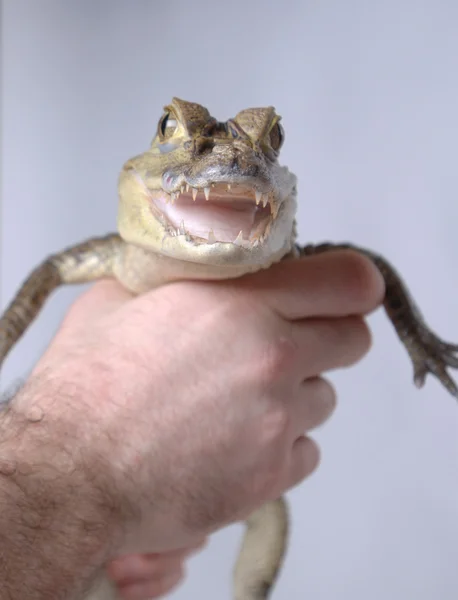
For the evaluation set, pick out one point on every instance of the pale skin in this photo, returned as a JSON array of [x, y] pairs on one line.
[[233, 371]]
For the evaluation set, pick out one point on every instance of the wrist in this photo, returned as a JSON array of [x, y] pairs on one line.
[[60, 520]]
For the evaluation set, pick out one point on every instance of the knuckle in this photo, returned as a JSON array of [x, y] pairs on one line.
[[277, 359], [275, 424]]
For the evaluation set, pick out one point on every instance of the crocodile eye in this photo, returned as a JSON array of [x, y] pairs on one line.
[[233, 131], [167, 125], [276, 137]]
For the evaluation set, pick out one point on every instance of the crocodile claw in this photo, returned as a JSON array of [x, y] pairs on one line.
[[432, 355]]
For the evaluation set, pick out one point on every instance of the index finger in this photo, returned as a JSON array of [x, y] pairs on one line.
[[333, 284]]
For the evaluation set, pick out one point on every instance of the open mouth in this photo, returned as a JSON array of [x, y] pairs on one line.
[[221, 212]]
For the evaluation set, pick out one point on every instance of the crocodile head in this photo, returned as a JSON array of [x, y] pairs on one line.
[[210, 192]]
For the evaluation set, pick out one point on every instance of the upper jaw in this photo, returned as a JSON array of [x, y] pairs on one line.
[[223, 190]]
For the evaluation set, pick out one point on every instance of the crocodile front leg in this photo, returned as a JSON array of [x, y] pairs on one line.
[[82, 263], [428, 353]]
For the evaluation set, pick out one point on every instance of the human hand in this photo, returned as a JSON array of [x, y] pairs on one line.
[[140, 576], [195, 397]]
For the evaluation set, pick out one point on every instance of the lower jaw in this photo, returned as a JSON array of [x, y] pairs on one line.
[[251, 256], [239, 242], [241, 239]]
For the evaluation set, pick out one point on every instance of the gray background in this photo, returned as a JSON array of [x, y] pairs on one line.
[[369, 94]]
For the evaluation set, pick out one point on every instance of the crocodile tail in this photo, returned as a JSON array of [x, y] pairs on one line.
[[262, 552]]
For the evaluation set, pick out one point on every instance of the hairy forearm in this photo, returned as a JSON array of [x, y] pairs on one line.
[[58, 517]]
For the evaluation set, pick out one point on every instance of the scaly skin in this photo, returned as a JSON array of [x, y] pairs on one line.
[[193, 151]]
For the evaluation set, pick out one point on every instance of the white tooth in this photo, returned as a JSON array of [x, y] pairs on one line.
[[265, 200], [182, 228], [194, 193], [239, 238], [258, 196], [167, 198], [182, 188], [187, 187], [207, 193], [173, 197], [274, 209], [229, 187], [211, 237]]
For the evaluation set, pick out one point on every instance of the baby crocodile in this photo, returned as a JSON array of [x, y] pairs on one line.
[[209, 200]]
